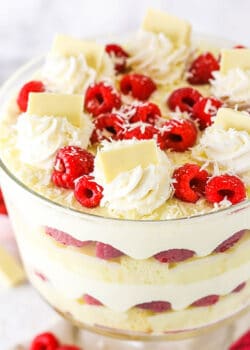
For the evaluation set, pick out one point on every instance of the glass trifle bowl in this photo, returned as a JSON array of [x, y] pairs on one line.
[[133, 295]]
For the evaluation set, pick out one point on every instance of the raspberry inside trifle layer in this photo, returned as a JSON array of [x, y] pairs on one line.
[[151, 136]]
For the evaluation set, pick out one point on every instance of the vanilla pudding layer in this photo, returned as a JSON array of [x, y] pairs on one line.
[[137, 320]]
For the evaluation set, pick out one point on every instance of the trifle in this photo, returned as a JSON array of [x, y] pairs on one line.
[[126, 171]]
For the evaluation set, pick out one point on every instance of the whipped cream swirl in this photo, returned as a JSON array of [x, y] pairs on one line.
[[233, 86], [70, 75], [140, 190], [38, 138], [154, 55], [229, 149]]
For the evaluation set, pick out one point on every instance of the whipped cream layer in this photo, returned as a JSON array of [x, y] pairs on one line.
[[233, 86], [121, 297], [142, 190], [67, 74], [39, 138], [229, 149], [154, 55]]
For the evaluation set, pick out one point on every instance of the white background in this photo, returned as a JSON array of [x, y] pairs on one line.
[[27, 26]]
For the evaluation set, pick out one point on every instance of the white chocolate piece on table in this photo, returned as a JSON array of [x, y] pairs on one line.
[[228, 118], [57, 105], [176, 29], [126, 157], [234, 58], [11, 272], [67, 46]]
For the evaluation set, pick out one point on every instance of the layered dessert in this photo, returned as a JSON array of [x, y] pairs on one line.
[[126, 171]]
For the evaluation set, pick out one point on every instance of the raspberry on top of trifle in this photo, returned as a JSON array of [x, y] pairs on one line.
[[142, 129]]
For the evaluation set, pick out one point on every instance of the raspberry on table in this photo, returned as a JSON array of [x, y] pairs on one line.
[[174, 255], [138, 85], [141, 132], [23, 96], [230, 242], [147, 112], [64, 238], [106, 251], [201, 69], [178, 135], [207, 301], [88, 299], [118, 55], [87, 192], [225, 186], [45, 341], [71, 162], [242, 344], [107, 126], [101, 98], [156, 306], [189, 182], [183, 99], [3, 209], [204, 110]]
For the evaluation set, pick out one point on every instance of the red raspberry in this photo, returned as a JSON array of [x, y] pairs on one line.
[[239, 47], [189, 182], [45, 341], [239, 288], [64, 238], [88, 299], [174, 255], [183, 99], [23, 96], [140, 86], [88, 192], [101, 98], [230, 242], [71, 162], [106, 251], [204, 110], [147, 112], [207, 301], [225, 186], [178, 135], [118, 55], [201, 69], [155, 306], [107, 126], [242, 344], [3, 209], [68, 347], [141, 132]]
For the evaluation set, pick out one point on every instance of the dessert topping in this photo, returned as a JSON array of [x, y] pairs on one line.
[[141, 131], [87, 192], [202, 68], [106, 251], [223, 187], [146, 112], [234, 58], [139, 86], [23, 96], [107, 126], [204, 110], [230, 119], [71, 162], [101, 98], [176, 29], [118, 55], [189, 182], [178, 135], [183, 99]]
